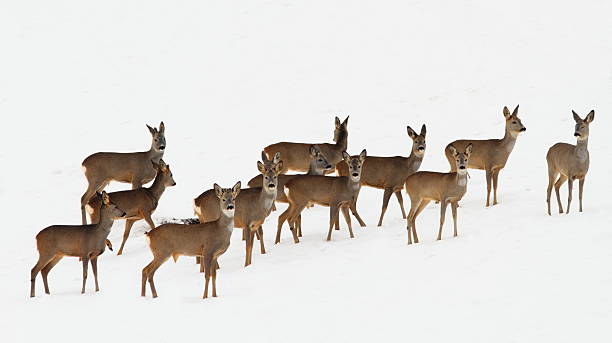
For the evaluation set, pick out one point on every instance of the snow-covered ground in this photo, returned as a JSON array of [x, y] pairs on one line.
[[229, 78]]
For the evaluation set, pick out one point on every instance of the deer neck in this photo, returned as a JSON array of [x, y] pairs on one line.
[[158, 187], [581, 149], [312, 169], [342, 141], [508, 141], [155, 155], [226, 222], [105, 223], [267, 198], [414, 160], [353, 186], [461, 179]]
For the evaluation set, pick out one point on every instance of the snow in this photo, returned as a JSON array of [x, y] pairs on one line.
[[229, 78]]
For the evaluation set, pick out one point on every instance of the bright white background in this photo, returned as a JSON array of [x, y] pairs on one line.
[[229, 78]]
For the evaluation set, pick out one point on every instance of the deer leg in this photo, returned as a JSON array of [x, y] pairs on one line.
[[347, 218], [152, 269], [337, 223], [148, 219], [552, 176], [580, 188], [43, 260], [214, 278], [207, 273], [454, 208], [443, 204], [281, 220], [353, 208], [558, 184], [94, 268], [489, 176], [91, 190], [495, 176], [45, 271], [413, 208], [420, 209], [260, 237], [85, 264], [570, 184], [126, 234], [400, 200], [249, 245], [386, 197], [298, 222], [145, 276], [295, 217], [333, 217]]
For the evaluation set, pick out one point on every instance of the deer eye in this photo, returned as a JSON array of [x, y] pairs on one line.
[[514, 122]]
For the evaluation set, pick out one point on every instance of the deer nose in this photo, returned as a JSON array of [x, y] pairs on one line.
[[576, 134], [271, 185], [162, 147], [421, 148], [355, 174], [123, 215], [174, 184], [230, 207], [523, 129], [462, 167], [328, 166]]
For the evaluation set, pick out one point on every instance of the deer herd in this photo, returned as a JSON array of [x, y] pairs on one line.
[[220, 210]]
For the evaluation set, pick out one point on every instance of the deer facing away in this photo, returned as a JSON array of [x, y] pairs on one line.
[[491, 155], [569, 162], [84, 241], [425, 186], [390, 173], [133, 167], [253, 205], [207, 240], [318, 166], [337, 192], [296, 155], [139, 203]]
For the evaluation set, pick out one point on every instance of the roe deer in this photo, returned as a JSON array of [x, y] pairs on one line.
[[132, 167], [139, 203], [425, 186], [491, 154], [296, 155], [337, 192], [569, 162], [207, 240], [253, 205], [84, 241], [318, 166], [390, 173]]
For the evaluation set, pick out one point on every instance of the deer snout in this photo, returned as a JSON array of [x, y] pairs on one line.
[[523, 129], [162, 147], [123, 215], [271, 185], [461, 167], [174, 183], [230, 207], [328, 167], [576, 134], [355, 174], [421, 148]]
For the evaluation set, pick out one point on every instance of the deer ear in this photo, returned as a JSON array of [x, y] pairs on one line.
[[346, 157], [411, 132], [313, 151], [363, 155], [345, 122], [452, 150], [218, 190], [589, 118], [162, 127], [468, 149], [261, 167], [515, 112], [152, 130], [338, 123], [423, 130], [236, 189], [163, 166], [278, 167], [576, 117], [276, 158], [506, 112], [264, 157]]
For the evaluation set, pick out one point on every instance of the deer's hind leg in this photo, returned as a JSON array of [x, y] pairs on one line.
[[45, 271], [149, 272], [126, 234], [558, 184], [414, 205], [334, 213], [43, 260], [385, 204], [552, 177], [400, 200]]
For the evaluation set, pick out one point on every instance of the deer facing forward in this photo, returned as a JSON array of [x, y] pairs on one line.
[[569, 162]]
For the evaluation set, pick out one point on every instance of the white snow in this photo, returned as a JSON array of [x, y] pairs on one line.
[[230, 77]]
